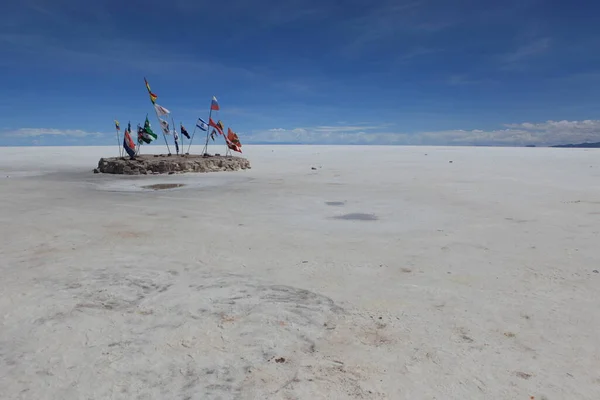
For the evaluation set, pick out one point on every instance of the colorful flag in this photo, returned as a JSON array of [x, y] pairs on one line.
[[202, 125], [218, 125], [233, 141], [160, 110], [214, 105], [212, 135], [233, 146], [184, 132], [153, 97], [231, 135], [128, 142], [117, 125]]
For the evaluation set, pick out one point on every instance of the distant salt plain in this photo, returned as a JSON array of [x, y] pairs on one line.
[[321, 273]]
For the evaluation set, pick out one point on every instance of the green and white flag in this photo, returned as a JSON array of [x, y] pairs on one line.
[[148, 134]]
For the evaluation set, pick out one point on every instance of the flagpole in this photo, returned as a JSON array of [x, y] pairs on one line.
[[118, 141], [226, 138], [175, 136], [227, 150], [139, 141], [156, 113], [205, 150], [192, 138], [142, 142], [128, 130], [181, 134], [162, 130]]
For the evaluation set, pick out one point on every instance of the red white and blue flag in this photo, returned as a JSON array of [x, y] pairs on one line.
[[214, 105], [128, 142]]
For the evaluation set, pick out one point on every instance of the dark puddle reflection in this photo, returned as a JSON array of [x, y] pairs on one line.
[[357, 217]]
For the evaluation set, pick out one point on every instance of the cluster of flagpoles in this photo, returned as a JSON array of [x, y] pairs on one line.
[[146, 135]]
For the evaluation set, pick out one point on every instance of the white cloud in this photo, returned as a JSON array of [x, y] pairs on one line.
[[520, 134], [540, 134], [527, 50], [522, 56], [319, 135], [324, 135], [36, 132]]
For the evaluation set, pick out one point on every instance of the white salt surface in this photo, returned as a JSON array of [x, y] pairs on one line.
[[475, 281]]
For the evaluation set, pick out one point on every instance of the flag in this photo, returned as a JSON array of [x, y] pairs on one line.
[[231, 135], [117, 125], [218, 126], [128, 142], [202, 125], [148, 129], [176, 139], [233, 146], [153, 97], [184, 132], [165, 126], [147, 133], [214, 105], [233, 141], [140, 131], [212, 135], [160, 110]]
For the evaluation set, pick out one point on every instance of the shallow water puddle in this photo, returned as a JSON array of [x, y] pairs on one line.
[[163, 186], [358, 217]]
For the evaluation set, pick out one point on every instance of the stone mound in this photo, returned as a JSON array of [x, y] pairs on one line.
[[146, 164]]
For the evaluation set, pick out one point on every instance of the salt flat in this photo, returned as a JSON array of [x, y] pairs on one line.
[[383, 273]]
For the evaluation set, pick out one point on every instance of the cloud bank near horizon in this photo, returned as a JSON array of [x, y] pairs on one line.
[[37, 132], [547, 133]]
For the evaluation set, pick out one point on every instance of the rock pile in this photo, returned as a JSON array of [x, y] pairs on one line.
[[146, 164]]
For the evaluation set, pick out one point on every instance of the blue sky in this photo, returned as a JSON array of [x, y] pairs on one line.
[[376, 72]]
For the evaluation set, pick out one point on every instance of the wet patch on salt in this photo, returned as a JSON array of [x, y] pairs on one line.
[[163, 186], [335, 203], [357, 217]]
